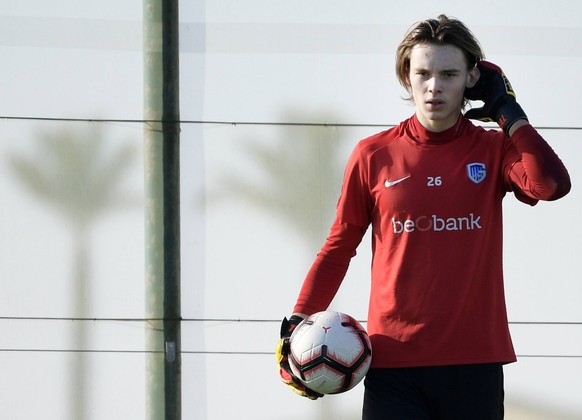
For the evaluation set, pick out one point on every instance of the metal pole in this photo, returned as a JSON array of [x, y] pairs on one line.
[[171, 174], [162, 209]]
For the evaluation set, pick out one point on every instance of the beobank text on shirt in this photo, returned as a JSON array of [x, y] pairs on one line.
[[435, 223]]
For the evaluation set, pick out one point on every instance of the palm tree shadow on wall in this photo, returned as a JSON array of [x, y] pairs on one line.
[[79, 174], [294, 177], [301, 174]]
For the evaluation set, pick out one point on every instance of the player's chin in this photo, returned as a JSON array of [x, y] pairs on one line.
[[435, 117], [439, 121]]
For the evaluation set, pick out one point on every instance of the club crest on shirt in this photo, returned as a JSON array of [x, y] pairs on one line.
[[476, 172]]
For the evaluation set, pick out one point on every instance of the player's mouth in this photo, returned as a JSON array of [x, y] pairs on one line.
[[435, 104]]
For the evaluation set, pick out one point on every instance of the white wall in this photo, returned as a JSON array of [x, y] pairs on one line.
[[257, 199]]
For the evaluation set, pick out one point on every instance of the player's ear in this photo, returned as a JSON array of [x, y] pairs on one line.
[[473, 76]]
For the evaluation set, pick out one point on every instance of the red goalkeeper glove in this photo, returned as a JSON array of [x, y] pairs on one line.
[[494, 89], [282, 353]]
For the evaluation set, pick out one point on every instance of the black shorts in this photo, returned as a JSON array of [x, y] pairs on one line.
[[442, 392]]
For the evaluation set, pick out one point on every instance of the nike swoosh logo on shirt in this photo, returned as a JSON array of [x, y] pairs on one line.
[[389, 184]]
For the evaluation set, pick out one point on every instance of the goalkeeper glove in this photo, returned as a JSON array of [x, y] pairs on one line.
[[494, 89], [282, 356]]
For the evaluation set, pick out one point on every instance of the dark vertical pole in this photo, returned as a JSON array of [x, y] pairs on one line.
[[162, 209], [171, 175]]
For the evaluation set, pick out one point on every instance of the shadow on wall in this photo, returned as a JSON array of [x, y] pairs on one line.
[[300, 178], [79, 173]]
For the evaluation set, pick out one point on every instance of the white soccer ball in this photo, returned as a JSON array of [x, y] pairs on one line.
[[330, 352]]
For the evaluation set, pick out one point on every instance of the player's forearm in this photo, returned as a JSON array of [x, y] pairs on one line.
[[329, 268], [320, 285], [548, 178]]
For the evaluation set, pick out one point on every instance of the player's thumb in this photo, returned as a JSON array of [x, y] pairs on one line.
[[478, 114]]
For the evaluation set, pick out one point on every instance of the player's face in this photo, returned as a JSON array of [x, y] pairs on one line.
[[438, 78]]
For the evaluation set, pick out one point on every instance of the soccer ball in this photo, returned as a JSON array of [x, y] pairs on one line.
[[330, 352]]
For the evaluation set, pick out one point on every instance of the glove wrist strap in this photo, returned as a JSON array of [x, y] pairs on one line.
[[508, 113]]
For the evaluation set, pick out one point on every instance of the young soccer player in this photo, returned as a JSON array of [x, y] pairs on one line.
[[431, 188]]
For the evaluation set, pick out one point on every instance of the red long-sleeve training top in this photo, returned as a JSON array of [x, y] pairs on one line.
[[434, 203]]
